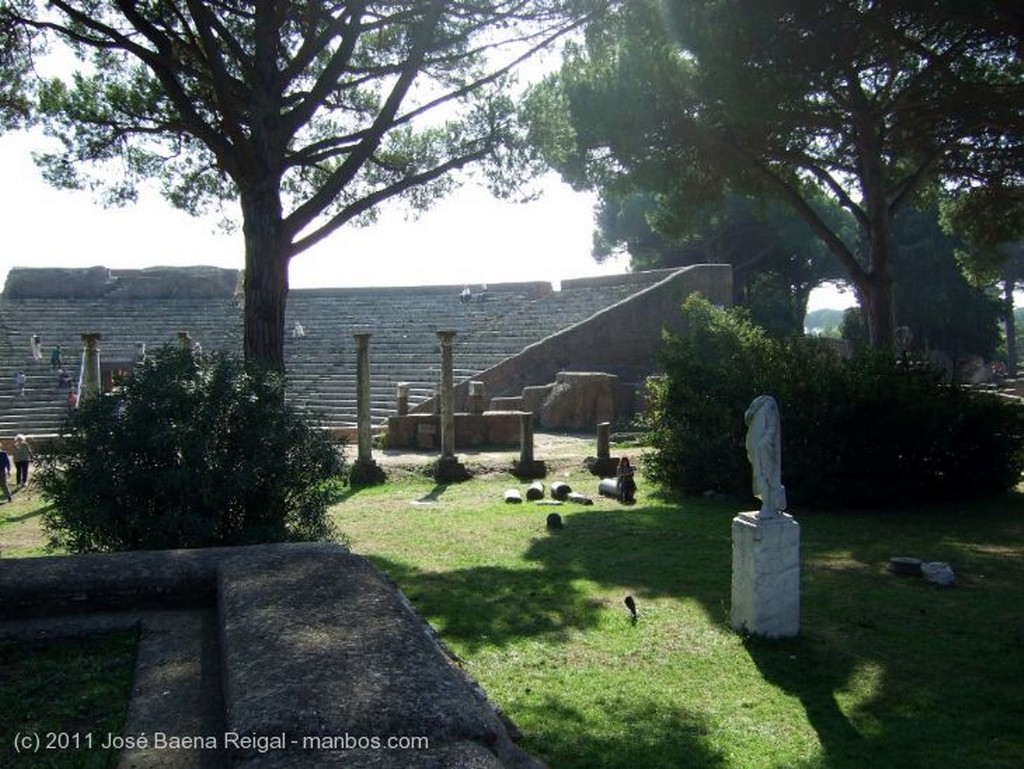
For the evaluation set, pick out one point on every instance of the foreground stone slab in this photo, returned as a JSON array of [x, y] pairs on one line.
[[267, 657], [163, 579], [465, 755], [319, 648], [176, 692]]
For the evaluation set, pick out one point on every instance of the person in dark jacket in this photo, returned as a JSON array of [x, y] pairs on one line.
[[5, 470]]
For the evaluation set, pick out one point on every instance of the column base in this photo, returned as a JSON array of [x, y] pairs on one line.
[[450, 470], [530, 469], [366, 472], [602, 466]]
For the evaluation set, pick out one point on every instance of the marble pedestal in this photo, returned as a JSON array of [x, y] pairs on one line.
[[766, 575]]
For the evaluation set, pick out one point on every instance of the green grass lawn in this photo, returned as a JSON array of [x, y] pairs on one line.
[[58, 699], [21, 524], [888, 671]]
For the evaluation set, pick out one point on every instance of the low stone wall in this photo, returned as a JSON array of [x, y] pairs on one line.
[[423, 431], [313, 646]]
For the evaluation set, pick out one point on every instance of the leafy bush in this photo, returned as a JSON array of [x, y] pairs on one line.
[[865, 432], [692, 409], [188, 452]]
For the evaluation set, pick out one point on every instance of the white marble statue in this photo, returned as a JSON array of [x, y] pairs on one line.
[[764, 450]]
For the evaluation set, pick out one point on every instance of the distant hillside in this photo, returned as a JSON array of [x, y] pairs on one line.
[[820, 321]]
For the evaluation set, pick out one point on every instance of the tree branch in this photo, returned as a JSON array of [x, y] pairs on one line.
[[383, 122], [367, 202]]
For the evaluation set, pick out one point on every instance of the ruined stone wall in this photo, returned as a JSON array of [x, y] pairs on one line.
[[97, 282], [621, 340]]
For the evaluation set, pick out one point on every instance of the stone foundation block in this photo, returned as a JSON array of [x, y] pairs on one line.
[[766, 575]]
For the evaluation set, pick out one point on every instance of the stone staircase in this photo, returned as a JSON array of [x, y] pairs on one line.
[[320, 365]]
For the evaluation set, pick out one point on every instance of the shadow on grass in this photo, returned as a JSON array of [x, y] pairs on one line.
[[656, 551], [640, 733], [73, 689], [493, 606], [434, 494], [35, 513], [892, 671], [813, 673]]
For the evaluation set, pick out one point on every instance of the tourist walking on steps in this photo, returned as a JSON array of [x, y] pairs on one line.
[[56, 357], [19, 382], [5, 470], [22, 456], [37, 348]]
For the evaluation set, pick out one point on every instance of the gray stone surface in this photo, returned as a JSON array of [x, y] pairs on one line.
[[579, 400], [35, 587], [938, 573], [95, 282], [303, 640], [463, 755], [326, 646], [765, 575], [176, 691]]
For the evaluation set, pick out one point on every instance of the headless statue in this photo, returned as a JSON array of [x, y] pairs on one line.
[[764, 450]]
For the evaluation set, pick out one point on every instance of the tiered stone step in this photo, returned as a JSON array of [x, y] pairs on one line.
[[320, 364]]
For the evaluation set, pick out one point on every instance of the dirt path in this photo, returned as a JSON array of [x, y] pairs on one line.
[[558, 450]]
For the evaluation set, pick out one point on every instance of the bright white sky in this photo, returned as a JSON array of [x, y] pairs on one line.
[[468, 238]]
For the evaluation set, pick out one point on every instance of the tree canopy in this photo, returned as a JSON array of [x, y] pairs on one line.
[[15, 67], [308, 114], [776, 259], [875, 104]]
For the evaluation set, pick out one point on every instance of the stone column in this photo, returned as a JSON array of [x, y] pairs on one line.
[[476, 397], [526, 467], [766, 575], [91, 384], [447, 395], [364, 471], [363, 396], [604, 464], [604, 431], [402, 398], [448, 468], [526, 437]]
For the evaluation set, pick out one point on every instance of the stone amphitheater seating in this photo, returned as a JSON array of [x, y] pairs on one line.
[[139, 306]]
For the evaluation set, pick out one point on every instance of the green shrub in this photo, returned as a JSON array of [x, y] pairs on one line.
[[188, 452], [864, 432], [691, 412]]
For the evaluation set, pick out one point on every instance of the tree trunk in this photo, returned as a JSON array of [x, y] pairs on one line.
[[877, 299], [266, 279], [1011, 327]]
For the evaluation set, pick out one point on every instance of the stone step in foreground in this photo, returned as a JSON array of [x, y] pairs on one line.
[[315, 647]]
